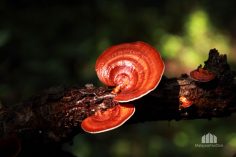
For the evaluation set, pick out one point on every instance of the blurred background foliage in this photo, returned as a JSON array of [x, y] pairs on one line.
[[45, 43]]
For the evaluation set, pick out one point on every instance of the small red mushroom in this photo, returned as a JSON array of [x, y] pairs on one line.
[[134, 69], [112, 118], [202, 75], [185, 103]]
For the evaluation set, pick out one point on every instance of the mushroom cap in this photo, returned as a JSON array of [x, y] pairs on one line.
[[136, 67], [202, 75], [112, 118], [185, 103]]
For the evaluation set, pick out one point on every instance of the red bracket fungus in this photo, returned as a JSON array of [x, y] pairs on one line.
[[134, 70], [202, 75], [112, 118], [185, 103]]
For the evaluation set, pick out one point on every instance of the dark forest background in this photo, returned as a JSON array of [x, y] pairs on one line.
[[50, 43]]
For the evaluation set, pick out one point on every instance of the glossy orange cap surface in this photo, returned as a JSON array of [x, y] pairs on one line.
[[112, 118], [135, 67], [202, 75]]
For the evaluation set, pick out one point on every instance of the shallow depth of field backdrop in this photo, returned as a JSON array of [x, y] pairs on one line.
[[45, 44]]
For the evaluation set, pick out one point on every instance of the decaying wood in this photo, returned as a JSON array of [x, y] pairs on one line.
[[57, 113]]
